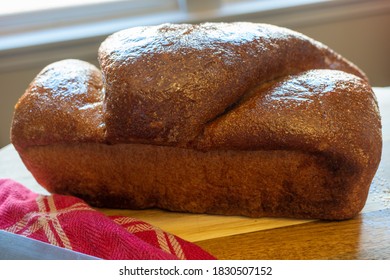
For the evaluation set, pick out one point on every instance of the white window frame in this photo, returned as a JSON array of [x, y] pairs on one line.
[[29, 38]]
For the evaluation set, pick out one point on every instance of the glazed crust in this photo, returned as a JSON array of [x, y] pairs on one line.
[[164, 83], [235, 119]]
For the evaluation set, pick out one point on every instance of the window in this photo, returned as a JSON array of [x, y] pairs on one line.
[[29, 29], [25, 23], [23, 6]]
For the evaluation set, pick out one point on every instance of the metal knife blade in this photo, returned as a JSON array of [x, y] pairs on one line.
[[17, 247]]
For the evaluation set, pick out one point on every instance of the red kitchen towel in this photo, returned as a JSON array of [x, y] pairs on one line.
[[68, 222]]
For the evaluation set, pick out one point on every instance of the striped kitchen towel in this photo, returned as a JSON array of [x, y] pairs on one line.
[[68, 222]]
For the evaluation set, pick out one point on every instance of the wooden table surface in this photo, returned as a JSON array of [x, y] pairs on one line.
[[365, 237]]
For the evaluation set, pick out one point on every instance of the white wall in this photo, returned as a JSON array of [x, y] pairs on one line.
[[363, 39]]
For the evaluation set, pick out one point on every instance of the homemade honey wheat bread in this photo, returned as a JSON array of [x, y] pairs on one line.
[[221, 118]]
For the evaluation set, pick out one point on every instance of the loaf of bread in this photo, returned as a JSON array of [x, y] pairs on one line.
[[219, 118]]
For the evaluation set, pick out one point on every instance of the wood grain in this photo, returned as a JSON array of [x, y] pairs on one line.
[[194, 227], [365, 237]]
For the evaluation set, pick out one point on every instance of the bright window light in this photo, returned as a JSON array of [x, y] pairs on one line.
[[22, 6]]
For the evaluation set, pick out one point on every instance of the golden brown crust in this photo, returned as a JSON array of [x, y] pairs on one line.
[[229, 182], [317, 111], [237, 119], [163, 83], [64, 103]]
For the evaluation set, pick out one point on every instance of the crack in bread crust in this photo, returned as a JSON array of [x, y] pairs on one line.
[[163, 83]]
